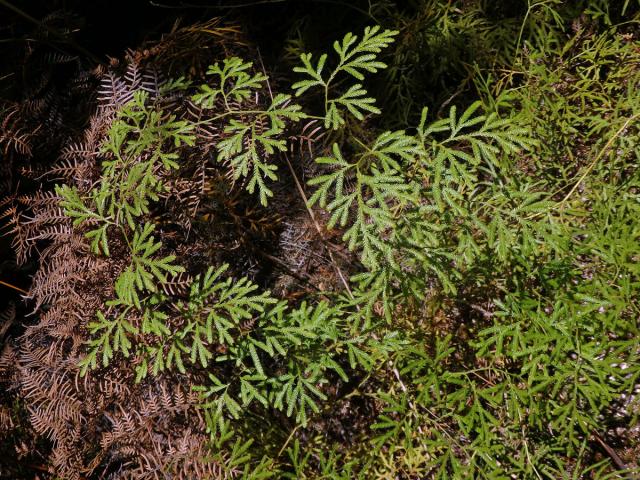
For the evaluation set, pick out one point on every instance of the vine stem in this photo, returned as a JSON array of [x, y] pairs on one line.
[[589, 168], [396, 373], [601, 153], [284, 445], [244, 112], [317, 227], [524, 22], [306, 204]]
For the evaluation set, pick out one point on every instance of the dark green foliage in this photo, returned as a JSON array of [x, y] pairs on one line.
[[488, 323]]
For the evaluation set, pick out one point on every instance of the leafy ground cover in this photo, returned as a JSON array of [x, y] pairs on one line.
[[407, 251]]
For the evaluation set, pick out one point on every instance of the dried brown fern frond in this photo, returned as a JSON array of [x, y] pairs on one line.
[[146, 440], [190, 49], [39, 216], [177, 285], [105, 423], [6, 421], [14, 134], [8, 359], [7, 317], [13, 229], [114, 92]]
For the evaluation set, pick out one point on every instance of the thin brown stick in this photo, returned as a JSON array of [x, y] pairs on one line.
[[14, 287], [610, 451]]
